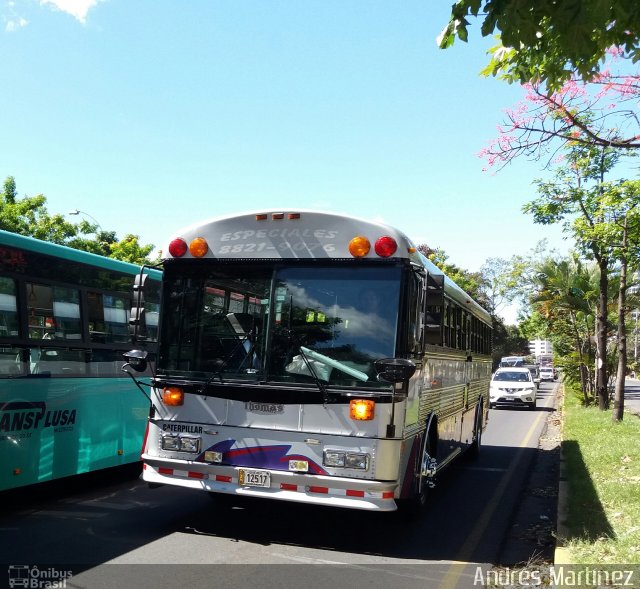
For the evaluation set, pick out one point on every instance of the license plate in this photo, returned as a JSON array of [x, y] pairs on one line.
[[254, 478]]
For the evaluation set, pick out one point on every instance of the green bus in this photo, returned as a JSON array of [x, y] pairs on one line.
[[66, 407]]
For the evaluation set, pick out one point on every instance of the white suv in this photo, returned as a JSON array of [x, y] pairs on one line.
[[513, 386], [547, 373]]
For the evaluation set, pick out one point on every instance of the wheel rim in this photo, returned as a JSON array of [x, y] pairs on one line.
[[423, 465]]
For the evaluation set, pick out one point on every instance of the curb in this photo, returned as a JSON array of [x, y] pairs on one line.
[[562, 555]]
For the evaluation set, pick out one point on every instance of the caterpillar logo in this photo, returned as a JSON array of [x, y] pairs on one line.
[[26, 416]]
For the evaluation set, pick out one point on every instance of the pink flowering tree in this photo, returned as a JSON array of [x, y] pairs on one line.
[[603, 112]]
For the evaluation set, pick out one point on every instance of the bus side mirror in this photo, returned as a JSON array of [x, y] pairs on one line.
[[137, 359], [137, 322], [394, 369]]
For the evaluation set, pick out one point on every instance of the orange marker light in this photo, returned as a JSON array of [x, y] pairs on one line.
[[362, 409], [198, 247], [359, 246], [173, 396]]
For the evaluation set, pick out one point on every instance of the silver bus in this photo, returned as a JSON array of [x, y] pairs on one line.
[[312, 357]]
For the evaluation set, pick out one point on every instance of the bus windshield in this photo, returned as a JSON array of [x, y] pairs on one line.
[[275, 323]]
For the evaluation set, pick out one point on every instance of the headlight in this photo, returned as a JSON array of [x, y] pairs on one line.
[[170, 443], [356, 461], [333, 458], [180, 443], [189, 444], [341, 459]]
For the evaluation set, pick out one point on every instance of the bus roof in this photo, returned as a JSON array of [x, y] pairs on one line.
[[8, 238], [304, 234]]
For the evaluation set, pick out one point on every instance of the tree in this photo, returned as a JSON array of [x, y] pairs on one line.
[[602, 112], [507, 341], [500, 280], [564, 294], [580, 199], [9, 190], [129, 249], [470, 282], [29, 216], [490, 288], [548, 41], [624, 203]]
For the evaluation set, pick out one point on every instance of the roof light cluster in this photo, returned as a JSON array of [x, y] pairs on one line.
[[359, 247], [197, 248], [384, 246], [277, 216]]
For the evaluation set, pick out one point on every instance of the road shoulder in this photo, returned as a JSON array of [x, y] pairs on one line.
[[532, 536]]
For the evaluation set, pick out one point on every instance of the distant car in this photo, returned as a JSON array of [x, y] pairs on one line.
[[535, 372], [513, 387], [547, 373]]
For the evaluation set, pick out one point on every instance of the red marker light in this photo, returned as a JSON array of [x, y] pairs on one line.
[[178, 247], [385, 246]]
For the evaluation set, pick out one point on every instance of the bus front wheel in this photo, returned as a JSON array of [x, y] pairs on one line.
[[422, 477]]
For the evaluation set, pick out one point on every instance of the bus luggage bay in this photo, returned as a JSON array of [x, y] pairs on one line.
[[312, 357], [65, 406]]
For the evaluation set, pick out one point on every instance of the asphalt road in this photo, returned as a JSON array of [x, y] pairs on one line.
[[632, 395], [119, 533]]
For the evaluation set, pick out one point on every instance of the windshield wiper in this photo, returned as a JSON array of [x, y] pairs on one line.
[[321, 386], [334, 364], [216, 372]]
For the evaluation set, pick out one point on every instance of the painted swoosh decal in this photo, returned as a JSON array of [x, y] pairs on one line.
[[271, 457]]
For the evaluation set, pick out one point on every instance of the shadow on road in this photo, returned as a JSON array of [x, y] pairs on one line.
[[113, 521]]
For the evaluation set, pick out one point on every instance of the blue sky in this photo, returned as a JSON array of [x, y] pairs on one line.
[[150, 115]]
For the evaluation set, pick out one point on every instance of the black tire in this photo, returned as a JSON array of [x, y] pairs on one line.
[[474, 450], [532, 405], [415, 505]]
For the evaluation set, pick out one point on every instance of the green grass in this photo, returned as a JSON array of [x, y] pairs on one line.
[[602, 469]]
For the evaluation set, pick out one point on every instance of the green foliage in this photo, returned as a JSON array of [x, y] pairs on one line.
[[588, 207], [29, 216], [507, 341], [494, 284], [547, 40], [9, 190], [130, 250], [470, 282], [602, 466]]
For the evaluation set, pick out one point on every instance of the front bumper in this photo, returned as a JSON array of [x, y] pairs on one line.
[[286, 486], [512, 397]]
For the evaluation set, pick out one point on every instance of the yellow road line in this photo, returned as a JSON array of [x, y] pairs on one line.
[[452, 576]]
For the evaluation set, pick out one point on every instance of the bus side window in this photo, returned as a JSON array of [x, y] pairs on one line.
[[54, 312], [12, 361], [415, 318], [58, 361], [108, 318], [434, 307], [8, 308]]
